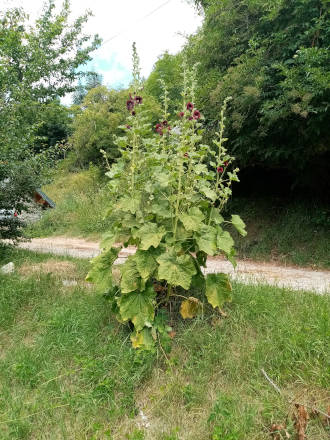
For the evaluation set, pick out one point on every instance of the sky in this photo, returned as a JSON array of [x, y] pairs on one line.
[[155, 26]]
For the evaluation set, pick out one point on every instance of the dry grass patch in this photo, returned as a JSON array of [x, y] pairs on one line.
[[59, 269]]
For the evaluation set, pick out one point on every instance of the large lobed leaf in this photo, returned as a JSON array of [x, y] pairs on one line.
[[145, 262], [130, 276], [176, 270], [193, 220], [150, 235], [138, 307], [101, 271], [239, 224], [190, 307], [207, 240], [218, 289], [224, 241], [143, 339]]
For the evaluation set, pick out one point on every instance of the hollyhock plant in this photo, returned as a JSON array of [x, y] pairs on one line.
[[166, 198], [138, 99]]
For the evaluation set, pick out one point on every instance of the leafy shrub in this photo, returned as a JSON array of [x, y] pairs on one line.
[[166, 193]]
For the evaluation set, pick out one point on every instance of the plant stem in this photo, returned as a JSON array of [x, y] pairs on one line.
[[178, 201]]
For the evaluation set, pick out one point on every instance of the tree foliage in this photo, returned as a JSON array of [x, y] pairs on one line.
[[272, 57], [97, 122], [167, 69], [38, 64]]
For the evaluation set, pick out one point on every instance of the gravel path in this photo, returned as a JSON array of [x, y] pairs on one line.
[[246, 271]]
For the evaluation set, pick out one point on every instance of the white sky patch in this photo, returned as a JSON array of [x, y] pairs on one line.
[[155, 26]]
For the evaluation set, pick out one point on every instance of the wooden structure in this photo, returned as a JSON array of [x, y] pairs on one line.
[[42, 199]]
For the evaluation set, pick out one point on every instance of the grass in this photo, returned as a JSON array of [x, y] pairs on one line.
[[81, 202], [283, 231], [67, 370]]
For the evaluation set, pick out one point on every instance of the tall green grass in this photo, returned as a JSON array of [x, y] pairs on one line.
[[81, 203]]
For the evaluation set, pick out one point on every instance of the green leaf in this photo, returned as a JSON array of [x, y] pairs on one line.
[[143, 339], [216, 217], [177, 271], [145, 262], [231, 257], [239, 224], [138, 307], [218, 289], [108, 240], [150, 235], [130, 276], [129, 204], [224, 241], [200, 168], [209, 193], [101, 271], [201, 258], [193, 220], [161, 208], [162, 179], [207, 240]]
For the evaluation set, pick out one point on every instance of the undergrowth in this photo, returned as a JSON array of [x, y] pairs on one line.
[[284, 230]]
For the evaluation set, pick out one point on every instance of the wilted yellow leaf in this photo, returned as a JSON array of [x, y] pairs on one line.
[[190, 307]]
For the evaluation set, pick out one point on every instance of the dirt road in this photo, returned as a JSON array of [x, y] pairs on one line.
[[246, 271]]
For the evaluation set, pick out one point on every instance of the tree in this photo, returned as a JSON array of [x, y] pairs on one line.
[[168, 69], [92, 80], [38, 64], [54, 127], [272, 58], [97, 123]]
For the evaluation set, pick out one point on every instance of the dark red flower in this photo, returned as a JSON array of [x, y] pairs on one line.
[[130, 104], [169, 128], [159, 129], [196, 114], [186, 155], [226, 163], [219, 170], [181, 114], [133, 113], [15, 214], [128, 127], [138, 99], [164, 123], [190, 106], [190, 118]]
